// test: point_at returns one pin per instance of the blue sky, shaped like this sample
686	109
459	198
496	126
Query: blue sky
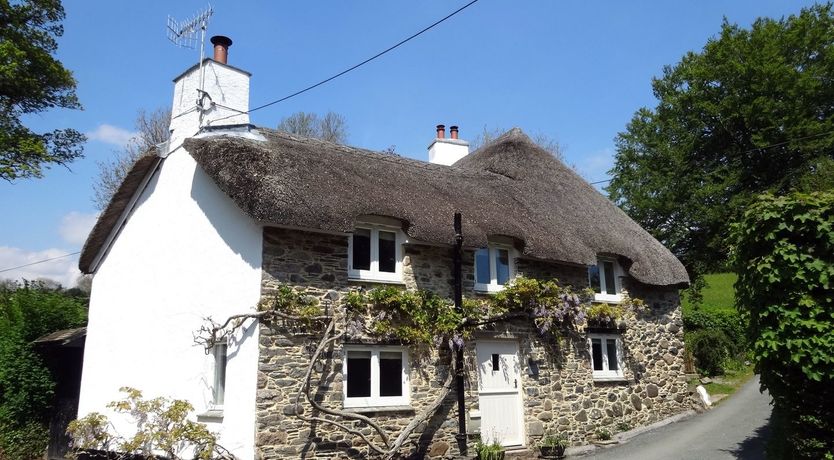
574	71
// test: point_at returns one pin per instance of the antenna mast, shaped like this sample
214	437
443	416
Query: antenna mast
184	35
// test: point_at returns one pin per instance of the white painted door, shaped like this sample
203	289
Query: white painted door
499	393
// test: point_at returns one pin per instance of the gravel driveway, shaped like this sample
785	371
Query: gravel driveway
736	429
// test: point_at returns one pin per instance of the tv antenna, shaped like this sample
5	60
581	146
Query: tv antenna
184	34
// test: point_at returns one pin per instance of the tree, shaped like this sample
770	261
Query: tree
544	141
31	81
332	127
749	113
784	257
152	129
27	312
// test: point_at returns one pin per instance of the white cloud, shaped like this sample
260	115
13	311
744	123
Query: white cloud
75	227
110	134
62	269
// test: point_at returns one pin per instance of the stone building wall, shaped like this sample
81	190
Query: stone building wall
561	397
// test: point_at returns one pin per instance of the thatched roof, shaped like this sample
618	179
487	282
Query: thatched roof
510	187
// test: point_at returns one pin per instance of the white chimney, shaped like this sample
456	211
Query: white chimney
445	151
223	100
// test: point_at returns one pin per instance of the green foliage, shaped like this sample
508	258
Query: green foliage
26	387
784	258
412	317
623	426
491	451
161	424
749	113
554	440
291	302
711	348
31	81
731	324
602	434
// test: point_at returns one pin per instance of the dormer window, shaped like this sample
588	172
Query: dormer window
494	267
604	278
375	253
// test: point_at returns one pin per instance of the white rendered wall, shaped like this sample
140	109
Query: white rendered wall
185	253
447	151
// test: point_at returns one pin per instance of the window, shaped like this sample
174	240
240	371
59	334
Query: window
219	389
375	376
606	356
375	254
494	267
605	280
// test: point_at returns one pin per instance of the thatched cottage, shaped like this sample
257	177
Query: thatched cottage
215	222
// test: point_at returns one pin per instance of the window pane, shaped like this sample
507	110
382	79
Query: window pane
502	265
596	353
220	359
362	249
593	276
612	355
482	266
496	362
358	374
387	252
390	373
608	268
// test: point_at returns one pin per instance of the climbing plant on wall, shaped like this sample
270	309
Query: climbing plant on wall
419	319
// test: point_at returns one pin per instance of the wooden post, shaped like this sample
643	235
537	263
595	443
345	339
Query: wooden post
461	436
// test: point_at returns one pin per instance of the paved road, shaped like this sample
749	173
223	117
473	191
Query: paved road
736	429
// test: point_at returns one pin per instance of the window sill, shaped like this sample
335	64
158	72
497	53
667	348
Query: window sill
214	414
356	279
605	298
488	288
618	378
380	409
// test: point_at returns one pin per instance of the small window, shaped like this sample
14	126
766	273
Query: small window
606	356
604	278
375	254
493	268
219	389
376	376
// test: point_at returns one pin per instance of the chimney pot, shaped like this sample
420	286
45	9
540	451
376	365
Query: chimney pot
453	130
221	48
441	131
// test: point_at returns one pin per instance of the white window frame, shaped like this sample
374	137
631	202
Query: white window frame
375	400
493	285
373	274
605	373
618	288
218	351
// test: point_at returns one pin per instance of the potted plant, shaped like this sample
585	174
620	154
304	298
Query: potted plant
553	446
491	451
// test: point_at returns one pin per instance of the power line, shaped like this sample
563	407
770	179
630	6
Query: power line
39	262
391	48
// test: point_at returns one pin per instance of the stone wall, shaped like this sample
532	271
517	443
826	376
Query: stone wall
560	398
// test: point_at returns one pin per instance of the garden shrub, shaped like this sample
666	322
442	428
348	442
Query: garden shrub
711	349
730	323
784	257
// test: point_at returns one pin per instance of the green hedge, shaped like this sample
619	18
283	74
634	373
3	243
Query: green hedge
784	256
730	323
